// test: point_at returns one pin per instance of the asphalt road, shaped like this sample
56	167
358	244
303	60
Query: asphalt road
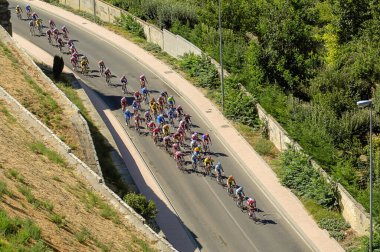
204	206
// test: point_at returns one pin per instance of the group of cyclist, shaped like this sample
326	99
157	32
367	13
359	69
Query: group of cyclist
160	116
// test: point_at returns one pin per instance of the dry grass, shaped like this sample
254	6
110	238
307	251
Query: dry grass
20	79
70	215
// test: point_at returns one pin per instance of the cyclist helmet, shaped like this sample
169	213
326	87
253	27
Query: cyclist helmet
199	146
179	107
142	76
246	198
63	27
218	163
18	6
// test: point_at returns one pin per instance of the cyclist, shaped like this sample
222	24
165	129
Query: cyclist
154	108
156	134
251	203
108	75
31	28
230	183
55	34
28	11
84	64
124	83
74	62
166	129
143	81
193	144
160	120
60	43
161	103
179	111
34	16
39	25
206	141
147	117
219	170
178	156
187	118
171	101
194	136
48	34
52	24
194	160
208	161
18	11
102	67
137	121
171	115
151	126
127	116
177	137
136	106
167	142
137	96
145	93
123	103
240	193
175	147
65	32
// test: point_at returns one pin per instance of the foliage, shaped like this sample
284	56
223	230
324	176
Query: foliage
146	208
305	181
20	235
201	68
40	149
336	227
58	65
128	23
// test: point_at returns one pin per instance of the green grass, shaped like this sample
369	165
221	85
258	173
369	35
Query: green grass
11	173
58	219
11	119
92	200
30	198
20	235
56	178
40	149
83	235
4	190
143	244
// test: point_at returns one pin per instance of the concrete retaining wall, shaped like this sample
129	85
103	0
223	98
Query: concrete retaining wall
77	119
38	129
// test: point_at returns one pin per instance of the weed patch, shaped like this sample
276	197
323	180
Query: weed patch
40	149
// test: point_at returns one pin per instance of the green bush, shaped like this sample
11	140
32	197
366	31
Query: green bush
146	208
335	227
129	24
298	174
201	68
58	65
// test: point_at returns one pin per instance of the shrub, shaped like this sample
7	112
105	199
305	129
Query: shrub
58	65
201	68
129	24
335	227
299	175
146	208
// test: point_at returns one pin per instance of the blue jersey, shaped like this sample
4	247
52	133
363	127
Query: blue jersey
160	119
135	105
28	9
127	114
144	91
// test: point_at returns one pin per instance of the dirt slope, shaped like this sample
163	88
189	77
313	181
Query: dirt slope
39	185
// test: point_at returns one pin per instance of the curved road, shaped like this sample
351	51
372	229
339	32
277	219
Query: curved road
204	207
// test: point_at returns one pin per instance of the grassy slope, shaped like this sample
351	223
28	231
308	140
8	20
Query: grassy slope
37	184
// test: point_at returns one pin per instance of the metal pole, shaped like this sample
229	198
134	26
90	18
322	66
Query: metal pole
370	178
221	55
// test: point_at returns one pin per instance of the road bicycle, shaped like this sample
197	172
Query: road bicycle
251	213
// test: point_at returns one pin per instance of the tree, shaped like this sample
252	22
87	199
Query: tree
146	208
